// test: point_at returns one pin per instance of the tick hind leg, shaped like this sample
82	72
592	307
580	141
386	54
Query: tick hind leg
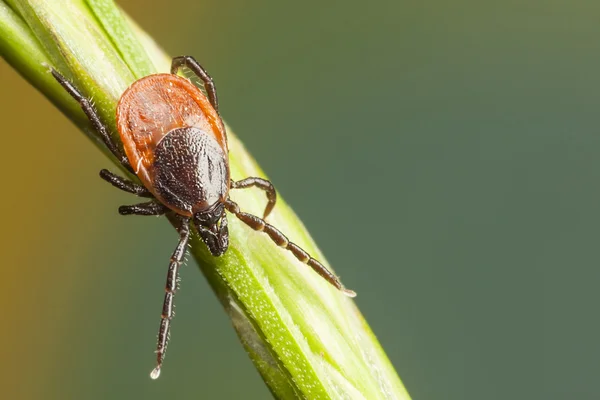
92	115
281	240
197	69
170	289
263	184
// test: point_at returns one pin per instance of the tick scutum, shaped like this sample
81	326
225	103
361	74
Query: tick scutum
191	173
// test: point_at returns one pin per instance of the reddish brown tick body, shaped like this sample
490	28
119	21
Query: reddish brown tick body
175	143
163	114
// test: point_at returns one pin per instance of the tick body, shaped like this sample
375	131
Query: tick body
175	142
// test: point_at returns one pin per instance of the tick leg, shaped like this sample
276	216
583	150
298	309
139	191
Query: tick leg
92	114
260	183
149	208
124	184
197	69
282	241
170	289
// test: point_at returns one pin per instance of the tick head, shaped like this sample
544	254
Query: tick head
212	227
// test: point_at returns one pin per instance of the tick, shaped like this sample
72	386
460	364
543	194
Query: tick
174	141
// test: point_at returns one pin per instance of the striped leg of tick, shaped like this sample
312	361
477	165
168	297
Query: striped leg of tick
124	184
281	240
260	183
148	208
199	70
92	115
170	289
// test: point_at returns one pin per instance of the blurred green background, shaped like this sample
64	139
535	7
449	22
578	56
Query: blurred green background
445	156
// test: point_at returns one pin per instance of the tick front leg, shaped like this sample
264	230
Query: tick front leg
262	184
282	241
149	208
170	289
124	184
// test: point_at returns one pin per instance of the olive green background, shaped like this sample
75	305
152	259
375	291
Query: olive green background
445	156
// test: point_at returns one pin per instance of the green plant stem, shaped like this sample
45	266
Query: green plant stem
305	338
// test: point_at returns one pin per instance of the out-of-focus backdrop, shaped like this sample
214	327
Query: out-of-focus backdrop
445	156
